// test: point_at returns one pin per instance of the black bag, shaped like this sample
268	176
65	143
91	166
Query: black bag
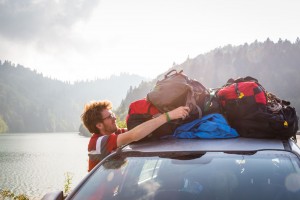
256	113
282	124
175	90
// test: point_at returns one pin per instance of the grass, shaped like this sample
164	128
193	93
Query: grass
7	194
68	183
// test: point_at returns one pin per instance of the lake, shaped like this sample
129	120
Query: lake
34	164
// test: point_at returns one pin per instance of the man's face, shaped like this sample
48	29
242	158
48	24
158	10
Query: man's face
108	122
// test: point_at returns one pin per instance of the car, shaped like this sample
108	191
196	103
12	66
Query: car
208	169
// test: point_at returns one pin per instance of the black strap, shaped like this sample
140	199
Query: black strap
148	112
192	101
237	91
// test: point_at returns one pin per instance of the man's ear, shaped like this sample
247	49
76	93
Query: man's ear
99	125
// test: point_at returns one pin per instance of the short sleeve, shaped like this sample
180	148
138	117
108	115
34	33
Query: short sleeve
111	143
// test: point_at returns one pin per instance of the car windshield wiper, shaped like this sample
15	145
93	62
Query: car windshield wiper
171	155
241	152
183	156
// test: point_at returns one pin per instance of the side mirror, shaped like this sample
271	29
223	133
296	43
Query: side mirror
57	195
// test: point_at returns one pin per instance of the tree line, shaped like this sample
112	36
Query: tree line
276	65
31	102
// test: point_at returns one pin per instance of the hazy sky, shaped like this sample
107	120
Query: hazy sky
85	39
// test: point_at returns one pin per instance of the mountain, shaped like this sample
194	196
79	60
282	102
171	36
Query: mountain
30	102
275	65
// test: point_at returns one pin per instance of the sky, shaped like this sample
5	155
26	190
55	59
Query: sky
74	40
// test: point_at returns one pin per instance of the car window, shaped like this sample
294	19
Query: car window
213	175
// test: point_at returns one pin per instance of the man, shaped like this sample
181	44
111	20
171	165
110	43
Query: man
101	122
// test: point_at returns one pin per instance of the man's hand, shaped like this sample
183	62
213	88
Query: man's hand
180	112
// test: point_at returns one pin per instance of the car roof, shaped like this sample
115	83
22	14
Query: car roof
172	144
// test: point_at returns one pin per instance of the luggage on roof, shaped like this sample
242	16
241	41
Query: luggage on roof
255	112
176	89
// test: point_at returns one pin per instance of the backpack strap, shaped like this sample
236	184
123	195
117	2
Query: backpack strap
172	71
237	91
149	107
191	102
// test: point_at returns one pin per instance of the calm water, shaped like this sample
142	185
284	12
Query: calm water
34	164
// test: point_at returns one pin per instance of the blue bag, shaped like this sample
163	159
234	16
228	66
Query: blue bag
208	127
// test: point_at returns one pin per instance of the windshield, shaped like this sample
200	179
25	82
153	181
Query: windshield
213	175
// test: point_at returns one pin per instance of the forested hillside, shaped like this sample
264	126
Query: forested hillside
30	102
275	65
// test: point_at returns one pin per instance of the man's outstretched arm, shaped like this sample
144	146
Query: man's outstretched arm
147	127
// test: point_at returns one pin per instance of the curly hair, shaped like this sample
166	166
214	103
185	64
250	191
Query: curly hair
92	114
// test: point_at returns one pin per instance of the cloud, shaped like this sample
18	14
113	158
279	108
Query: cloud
32	20
84	39
48	35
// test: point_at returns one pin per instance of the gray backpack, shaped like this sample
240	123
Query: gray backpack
175	90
